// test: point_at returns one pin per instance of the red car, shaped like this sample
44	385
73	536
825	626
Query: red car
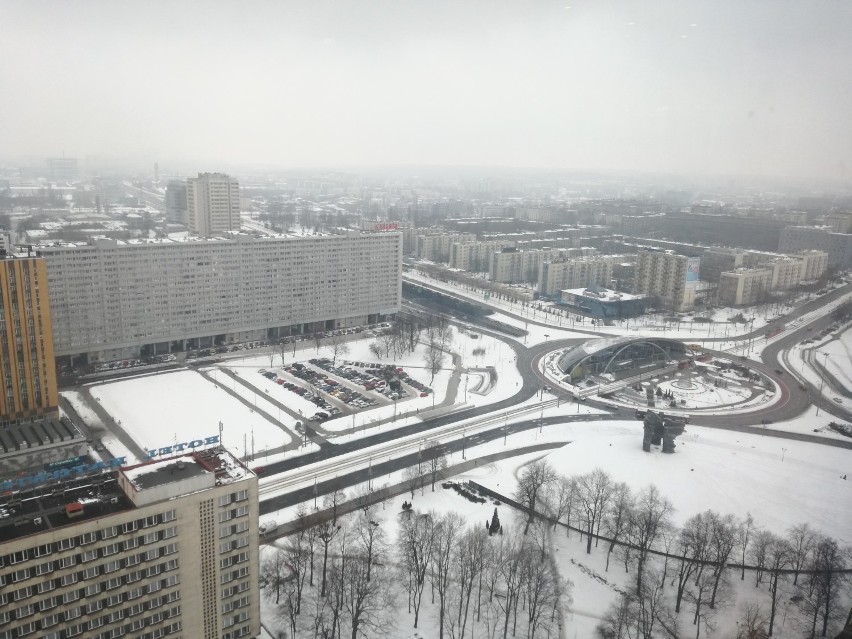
259	470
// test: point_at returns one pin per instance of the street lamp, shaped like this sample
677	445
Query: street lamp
783	452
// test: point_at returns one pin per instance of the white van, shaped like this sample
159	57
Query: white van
267	527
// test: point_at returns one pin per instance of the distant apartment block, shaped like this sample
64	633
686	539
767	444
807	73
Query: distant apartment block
435	247
475	256
114	300
62	170
838	246
26	340
213	204
576	272
669	277
511	266
165	548
176	206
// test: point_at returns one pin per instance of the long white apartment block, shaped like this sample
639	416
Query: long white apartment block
109	298
163	549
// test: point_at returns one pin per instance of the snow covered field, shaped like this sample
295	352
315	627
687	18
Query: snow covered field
158	410
725	471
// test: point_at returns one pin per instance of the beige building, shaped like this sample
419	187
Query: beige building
744	286
165	548
577	272
814	264
669	277
26	340
475	256
511	266
213	204
435	247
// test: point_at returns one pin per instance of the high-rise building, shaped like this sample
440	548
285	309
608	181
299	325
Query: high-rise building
213	204
669	277
164	548
62	169
26	340
176	211
115	300
576	272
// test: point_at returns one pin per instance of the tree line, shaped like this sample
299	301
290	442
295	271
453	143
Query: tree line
695	563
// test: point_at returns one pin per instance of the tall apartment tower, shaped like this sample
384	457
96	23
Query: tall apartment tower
669	277
162	549
62	169
213	204
176	202
26	340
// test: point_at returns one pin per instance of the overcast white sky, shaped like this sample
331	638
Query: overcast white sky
710	86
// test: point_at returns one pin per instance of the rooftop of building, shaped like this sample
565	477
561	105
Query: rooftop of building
36	503
232	236
27	436
602	294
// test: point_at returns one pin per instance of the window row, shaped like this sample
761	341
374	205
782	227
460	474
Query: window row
85	539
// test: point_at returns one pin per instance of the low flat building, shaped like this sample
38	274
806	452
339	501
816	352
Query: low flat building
600	302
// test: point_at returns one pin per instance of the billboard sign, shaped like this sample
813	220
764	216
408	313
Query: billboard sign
58	473
693	266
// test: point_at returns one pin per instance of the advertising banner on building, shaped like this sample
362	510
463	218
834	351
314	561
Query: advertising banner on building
692	268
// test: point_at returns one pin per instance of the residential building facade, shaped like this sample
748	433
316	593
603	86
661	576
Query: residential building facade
165	548
744	286
669	277
576	272
113	299
26	340
435	247
176	212
213	204
475	256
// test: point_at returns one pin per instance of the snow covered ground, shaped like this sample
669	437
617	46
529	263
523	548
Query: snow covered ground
839	353
725	471
158	410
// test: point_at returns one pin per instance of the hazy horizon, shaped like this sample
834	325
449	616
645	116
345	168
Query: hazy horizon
727	88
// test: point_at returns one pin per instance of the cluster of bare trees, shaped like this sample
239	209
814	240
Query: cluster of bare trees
693	564
506	583
407	331
334	579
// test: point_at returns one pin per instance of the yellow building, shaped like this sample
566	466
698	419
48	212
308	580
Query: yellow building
26	340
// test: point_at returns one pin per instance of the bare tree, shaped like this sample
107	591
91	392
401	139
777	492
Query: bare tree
693	547
745	531
270	353
338	346
651	516
376	350
469	557
370	540
436	460
699	597
326	533
801	539
593	495
759	554
534	477
368	597
274	573
754	623
778	558
447	530
415	540
826	581
514	552
332	500
617	515
434	359
297	558
559	497
722	542
415	477
618	620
